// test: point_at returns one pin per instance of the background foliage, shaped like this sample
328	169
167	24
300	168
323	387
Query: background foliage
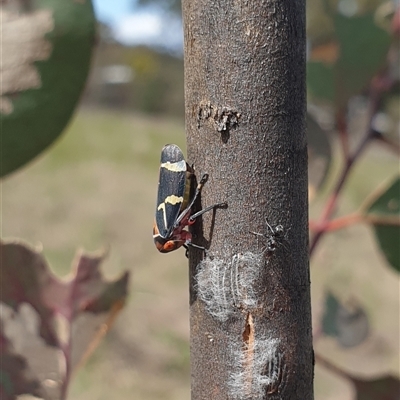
97	186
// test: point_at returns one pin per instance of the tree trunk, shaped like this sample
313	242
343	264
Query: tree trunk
250	310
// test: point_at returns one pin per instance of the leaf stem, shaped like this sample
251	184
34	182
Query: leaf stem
333	368
339	223
332	201
379	85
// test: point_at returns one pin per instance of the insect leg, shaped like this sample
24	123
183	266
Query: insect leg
190	244
201	212
203	180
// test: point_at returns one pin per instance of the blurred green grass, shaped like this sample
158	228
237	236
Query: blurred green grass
115	137
97	187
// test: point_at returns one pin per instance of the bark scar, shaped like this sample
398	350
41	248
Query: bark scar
224	118
248	347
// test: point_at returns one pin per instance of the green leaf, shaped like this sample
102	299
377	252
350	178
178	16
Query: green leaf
319	155
389	241
384	213
348	323
329	318
344	64
46	52
321	81
363	50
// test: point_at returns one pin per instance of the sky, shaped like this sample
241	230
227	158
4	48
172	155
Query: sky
132	25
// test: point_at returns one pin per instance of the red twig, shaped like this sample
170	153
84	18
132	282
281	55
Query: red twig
332	201
333	368
338	223
379	86
390	143
342	129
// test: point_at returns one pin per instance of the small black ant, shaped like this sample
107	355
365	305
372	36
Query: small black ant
275	237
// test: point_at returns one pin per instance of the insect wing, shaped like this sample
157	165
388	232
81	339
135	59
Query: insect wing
171	188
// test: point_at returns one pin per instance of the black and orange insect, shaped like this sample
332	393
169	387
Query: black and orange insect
175	202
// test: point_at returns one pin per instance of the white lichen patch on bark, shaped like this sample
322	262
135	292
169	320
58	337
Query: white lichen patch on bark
258	371
22	43
226	287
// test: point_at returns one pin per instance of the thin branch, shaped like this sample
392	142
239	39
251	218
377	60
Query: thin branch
352	219
332	201
391	144
338	223
343	133
331	367
379	86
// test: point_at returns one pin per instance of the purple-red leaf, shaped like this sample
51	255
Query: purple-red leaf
43	314
16	377
384	388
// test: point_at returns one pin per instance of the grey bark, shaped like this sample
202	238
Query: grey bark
245	122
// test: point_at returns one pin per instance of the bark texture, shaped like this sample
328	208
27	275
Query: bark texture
245	122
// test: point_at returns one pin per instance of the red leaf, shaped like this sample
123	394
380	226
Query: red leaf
44	314
384	388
